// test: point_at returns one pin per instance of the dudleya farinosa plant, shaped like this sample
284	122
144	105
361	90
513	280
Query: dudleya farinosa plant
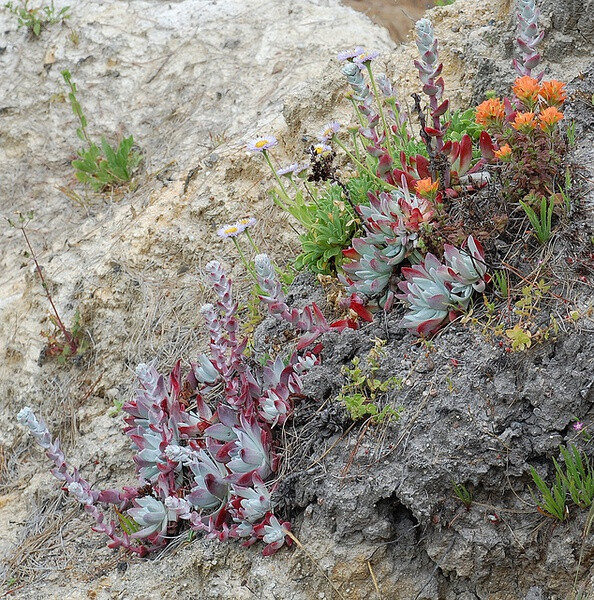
201	465
436	292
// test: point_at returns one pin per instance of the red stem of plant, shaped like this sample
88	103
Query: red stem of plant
71	341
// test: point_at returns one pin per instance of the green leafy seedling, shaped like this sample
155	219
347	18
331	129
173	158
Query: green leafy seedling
578	476
463	494
36	19
100	167
363	389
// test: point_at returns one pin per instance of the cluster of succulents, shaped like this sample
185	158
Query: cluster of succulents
204	450
391	224
436	292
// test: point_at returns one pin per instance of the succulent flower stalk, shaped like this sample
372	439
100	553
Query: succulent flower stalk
529	36
429	73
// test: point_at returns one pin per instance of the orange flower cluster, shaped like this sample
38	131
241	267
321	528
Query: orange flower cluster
524	122
504	153
427	188
548	118
527	89
553	93
490	112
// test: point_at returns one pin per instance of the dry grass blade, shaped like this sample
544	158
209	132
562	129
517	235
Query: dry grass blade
33	556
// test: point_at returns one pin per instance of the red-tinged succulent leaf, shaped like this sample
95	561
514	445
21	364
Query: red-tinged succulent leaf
430	90
307	338
423	167
403	159
510	112
433	132
441	109
410	180
532	61
475	169
465	154
317	349
447	148
384	165
342	324
486	146
357	306
351	253
319	316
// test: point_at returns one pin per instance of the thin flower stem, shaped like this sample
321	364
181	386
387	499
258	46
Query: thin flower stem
383	183
358	112
278	179
67	335
246	263
294	185
355	138
381	110
251	240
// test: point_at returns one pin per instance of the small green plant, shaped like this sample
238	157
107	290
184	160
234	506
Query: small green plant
36	19
463	494
461	122
553	501
541	223
577	480
363	390
520	338
116	409
444	2
578	476
330	224
102	166
323	205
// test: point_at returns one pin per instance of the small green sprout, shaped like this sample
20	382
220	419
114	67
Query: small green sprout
363	390
541	223
463	494
36	19
501	282
578	476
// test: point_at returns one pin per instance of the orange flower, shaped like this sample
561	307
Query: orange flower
552	93
490	112
526	90
427	187
548	118
504	153
524	122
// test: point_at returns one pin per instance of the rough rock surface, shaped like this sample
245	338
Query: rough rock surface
192	81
